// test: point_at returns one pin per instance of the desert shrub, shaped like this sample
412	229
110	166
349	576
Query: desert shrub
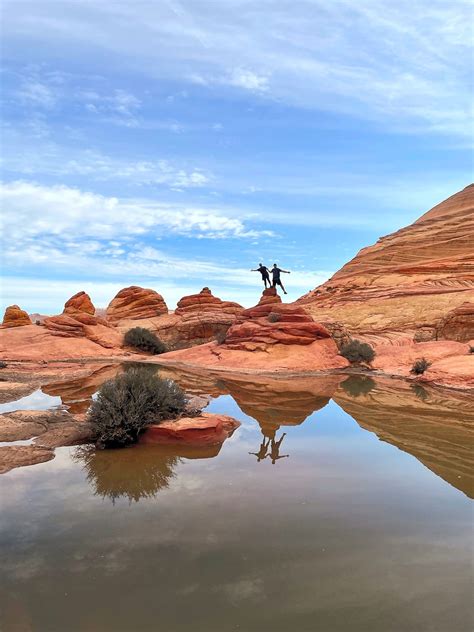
357	351
420	366
471	349
144	340
273	317
131	401
37	322
3	365
420	392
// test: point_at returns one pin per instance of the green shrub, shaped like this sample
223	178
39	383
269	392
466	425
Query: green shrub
128	403
420	366
357	351
274	317
144	340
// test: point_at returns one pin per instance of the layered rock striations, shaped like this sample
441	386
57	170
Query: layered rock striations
15	317
273	323
405	285
135	303
78	321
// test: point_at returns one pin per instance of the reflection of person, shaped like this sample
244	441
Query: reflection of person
264	271
262	453
276	277
275	450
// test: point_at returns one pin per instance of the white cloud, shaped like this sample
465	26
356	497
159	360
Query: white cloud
398	63
32	211
248	80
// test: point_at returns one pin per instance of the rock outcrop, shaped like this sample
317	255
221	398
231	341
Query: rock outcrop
15	317
207	429
270	323
135	303
458	324
78	321
80	302
405	285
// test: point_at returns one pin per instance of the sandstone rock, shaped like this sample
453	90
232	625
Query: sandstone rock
458	324
19	455
78	321
15	317
135	303
408	281
269	295
207	429
273	323
80	302
68	433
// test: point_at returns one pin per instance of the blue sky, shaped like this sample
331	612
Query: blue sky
175	144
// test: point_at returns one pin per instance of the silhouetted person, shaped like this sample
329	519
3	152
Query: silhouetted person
276	277
262	453
275	450
264	271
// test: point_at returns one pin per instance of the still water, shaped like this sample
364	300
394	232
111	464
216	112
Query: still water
340	504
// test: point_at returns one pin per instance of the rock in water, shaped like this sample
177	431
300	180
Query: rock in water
15	317
136	303
407	283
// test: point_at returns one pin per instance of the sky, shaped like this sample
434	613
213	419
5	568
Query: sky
176	144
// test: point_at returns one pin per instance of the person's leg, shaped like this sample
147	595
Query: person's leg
281	285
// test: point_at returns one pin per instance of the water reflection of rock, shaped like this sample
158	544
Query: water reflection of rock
77	393
435	426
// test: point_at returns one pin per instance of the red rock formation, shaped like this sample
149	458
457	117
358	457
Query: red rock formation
78	321
408	282
80	302
198	319
273	323
458	324
269	295
207	429
135	303
15	317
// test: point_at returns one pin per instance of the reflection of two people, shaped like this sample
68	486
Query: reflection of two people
269	442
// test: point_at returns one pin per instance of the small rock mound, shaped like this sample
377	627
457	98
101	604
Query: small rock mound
205	301
15	317
136	303
274	323
80	302
269	295
78	321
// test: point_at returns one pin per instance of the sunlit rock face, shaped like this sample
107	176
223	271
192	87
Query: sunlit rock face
78	321
435	427
409	281
15	317
135	303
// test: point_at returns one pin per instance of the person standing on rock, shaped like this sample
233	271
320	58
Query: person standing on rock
276	277
264	271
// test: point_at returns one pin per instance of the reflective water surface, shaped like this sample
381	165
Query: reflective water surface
341	503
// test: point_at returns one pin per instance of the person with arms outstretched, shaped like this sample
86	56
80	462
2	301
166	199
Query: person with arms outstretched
264	271
276	277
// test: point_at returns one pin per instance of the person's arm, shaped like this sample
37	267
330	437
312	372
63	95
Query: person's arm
254	270
285	271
